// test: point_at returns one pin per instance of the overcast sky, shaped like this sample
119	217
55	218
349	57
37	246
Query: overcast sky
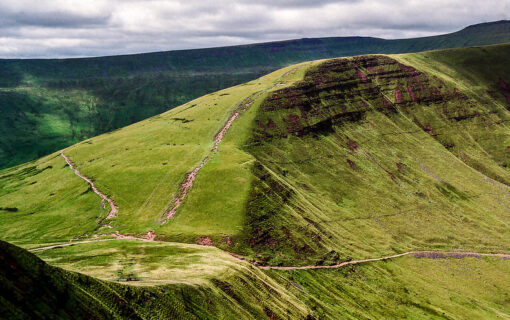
70	28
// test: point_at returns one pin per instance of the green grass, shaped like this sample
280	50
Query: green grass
323	167
227	289
140	167
51	204
407	288
144	263
49	104
405	189
292	198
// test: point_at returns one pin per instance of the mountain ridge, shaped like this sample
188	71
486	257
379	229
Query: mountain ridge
50	104
311	172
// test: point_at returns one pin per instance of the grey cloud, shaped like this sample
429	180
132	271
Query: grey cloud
108	27
56	19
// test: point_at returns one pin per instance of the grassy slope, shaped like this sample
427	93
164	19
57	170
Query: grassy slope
344	172
33	289
50	104
140	167
468	288
407	288
285	192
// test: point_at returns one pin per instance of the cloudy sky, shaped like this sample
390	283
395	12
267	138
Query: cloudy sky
72	28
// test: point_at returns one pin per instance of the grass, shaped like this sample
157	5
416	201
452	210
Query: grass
144	263
338	159
284	197
37	290
407	288
141	170
51	204
49	104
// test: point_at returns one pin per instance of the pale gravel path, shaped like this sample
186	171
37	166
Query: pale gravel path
113	207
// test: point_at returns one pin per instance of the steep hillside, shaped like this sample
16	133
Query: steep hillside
31	289
51	104
318	162
368	187
161	281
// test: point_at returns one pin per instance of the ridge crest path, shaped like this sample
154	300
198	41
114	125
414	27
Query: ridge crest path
427	254
113	207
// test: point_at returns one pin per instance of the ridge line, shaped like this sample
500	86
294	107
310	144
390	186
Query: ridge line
242	106
430	254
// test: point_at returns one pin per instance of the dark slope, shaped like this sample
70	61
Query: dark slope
49	104
32	289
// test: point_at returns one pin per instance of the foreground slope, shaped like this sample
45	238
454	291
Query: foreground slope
419	287
312	165
52	103
31	289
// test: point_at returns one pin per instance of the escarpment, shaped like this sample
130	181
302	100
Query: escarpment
358	144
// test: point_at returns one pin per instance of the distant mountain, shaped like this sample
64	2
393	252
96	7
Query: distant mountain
48	104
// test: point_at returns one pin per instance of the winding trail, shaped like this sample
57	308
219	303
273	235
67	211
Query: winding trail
417	254
191	176
68	244
113	207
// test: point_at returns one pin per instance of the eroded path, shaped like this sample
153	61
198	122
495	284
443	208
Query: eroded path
191	176
104	198
417	254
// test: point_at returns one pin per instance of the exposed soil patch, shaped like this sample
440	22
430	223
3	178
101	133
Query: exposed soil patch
205	241
398	96
228	241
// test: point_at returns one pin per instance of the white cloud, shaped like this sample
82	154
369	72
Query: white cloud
61	28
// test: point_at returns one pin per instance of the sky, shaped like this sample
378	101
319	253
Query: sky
70	28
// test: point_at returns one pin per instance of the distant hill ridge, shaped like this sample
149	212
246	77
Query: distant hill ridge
48	104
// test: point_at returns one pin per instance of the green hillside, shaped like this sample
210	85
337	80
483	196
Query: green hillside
49	104
310	166
31	289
